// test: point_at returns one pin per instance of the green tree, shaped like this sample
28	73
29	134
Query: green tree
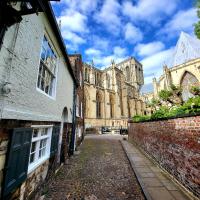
197	25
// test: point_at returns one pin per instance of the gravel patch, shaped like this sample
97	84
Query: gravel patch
101	171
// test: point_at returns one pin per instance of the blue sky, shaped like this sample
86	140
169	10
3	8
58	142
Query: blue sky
102	30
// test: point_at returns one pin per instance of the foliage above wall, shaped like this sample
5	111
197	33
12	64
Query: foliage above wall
191	107
195	90
173	96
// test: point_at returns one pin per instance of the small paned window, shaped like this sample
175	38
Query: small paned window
47	69
40	146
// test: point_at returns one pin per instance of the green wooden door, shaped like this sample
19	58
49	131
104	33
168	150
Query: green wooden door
17	159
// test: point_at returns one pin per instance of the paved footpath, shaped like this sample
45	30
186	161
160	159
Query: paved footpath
101	171
156	185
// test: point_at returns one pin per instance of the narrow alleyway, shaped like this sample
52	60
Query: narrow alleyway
101	171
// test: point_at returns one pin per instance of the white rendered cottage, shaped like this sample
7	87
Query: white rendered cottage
36	102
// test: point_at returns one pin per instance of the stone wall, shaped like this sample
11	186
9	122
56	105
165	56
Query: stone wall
35	179
94	122
3	150
175	145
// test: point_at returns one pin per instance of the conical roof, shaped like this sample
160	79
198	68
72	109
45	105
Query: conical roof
187	48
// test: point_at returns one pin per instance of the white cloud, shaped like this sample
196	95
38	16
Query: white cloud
100	43
182	21
149	10
93	52
73	21
149	48
85	6
109	15
132	33
119	51
88	5
157	60
103	60
73	27
154	63
73	37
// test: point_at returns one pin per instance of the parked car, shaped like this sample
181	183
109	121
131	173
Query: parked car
123	131
105	129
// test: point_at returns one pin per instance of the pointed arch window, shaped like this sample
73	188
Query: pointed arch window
98	105
187	81
86	107
128	77
108	80
111	106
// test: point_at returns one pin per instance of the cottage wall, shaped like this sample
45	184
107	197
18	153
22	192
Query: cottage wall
26	105
20	68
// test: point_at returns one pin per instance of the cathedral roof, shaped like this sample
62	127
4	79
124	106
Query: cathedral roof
187	48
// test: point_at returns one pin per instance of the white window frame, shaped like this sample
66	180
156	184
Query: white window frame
38	161
53	96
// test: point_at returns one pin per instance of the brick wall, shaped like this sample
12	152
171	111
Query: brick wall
175	145
77	66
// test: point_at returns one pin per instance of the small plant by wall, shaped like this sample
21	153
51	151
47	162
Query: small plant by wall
172	96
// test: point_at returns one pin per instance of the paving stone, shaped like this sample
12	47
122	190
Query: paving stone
143	169
153	182
160	194
156	185
169	185
179	195
147	175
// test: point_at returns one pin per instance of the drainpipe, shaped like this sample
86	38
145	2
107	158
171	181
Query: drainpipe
73	135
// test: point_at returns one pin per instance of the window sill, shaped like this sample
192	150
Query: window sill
42	92
33	166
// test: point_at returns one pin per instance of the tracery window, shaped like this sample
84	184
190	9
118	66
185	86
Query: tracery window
128	74
108	80
98	105
188	80
111	106
119	84
86	75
